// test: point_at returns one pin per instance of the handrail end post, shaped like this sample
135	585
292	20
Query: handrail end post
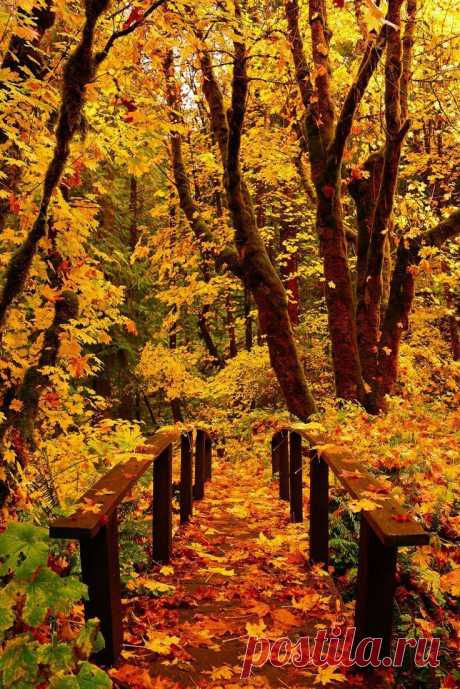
376	588
101	573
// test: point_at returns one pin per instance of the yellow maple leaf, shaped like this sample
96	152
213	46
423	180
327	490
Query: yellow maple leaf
161	643
167	570
256	628
223	672
327	447
222	571
156	586
104	491
375	17
328	674
87	505
363	504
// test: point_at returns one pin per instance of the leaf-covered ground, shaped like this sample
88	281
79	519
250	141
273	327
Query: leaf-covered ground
238	569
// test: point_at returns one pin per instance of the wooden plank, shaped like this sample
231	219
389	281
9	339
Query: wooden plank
104	497
162	507
101	573
319	509
391	523
376	588
186	477
295	476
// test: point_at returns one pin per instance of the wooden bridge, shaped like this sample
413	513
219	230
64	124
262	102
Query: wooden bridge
382	530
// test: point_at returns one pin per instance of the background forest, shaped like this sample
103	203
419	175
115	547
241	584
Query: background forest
238	213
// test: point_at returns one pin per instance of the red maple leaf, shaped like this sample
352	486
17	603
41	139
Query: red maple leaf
135	15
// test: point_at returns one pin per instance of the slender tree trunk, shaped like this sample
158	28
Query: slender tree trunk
289	269
400	303
232	348
20	419
368	312
247	320
133	209
207	338
22	57
176	406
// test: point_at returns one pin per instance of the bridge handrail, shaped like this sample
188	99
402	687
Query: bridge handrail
95	522
382	530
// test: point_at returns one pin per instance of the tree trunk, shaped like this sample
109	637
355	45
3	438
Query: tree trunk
19	421
78	73
326	144
400	303
207	338
258	273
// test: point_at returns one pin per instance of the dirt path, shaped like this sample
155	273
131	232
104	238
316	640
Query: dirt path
238	569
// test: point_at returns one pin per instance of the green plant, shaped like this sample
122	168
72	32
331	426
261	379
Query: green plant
34	652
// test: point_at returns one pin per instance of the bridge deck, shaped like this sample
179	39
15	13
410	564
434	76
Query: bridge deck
238	568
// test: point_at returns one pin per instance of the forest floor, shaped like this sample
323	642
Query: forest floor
238	570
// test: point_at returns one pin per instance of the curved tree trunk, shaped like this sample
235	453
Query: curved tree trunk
78	72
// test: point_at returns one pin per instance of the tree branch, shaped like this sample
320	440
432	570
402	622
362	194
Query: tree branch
102	54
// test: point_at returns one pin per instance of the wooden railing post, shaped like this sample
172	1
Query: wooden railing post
284	465
276	440
198	488
101	573
376	588
186	477
208	456
295	476
162	506
319	509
